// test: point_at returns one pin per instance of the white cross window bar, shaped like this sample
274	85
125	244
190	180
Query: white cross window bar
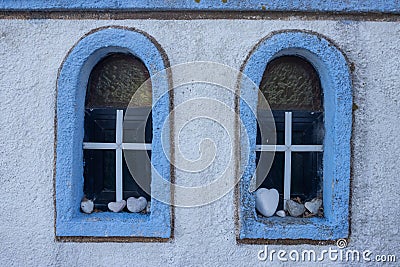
118	146
288	148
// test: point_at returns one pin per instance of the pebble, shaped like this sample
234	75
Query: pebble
87	205
117	206
281	213
313	205
136	204
295	209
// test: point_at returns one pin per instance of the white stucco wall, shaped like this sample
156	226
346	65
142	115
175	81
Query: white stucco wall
31	53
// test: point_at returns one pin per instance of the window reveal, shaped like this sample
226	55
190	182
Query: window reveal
112	83
292	88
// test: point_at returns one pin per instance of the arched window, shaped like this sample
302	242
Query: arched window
306	80
112	84
292	88
103	136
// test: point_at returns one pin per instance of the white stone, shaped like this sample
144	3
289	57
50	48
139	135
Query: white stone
136	204
267	201
281	213
313	205
295	209
117	206
87	205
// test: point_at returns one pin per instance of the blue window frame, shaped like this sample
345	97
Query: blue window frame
335	79
71	91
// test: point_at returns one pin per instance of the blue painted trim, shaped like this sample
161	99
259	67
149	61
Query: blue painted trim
345	6
72	83
336	83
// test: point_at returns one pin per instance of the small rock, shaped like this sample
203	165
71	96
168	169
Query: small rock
117	206
87	205
267	201
136	204
295	209
281	213
313	205
148	207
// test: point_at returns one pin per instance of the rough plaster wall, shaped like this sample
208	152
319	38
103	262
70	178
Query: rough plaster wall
30	55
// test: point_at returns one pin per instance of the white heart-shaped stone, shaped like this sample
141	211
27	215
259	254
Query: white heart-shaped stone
136	204
267	201
117	206
87	205
313	205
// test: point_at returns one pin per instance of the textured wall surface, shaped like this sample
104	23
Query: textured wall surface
390	6
33	50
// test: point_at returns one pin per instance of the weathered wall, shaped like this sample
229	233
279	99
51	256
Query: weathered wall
30	55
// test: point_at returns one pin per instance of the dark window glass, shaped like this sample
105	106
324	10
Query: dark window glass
291	83
112	83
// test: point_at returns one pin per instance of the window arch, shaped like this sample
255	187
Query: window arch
115	79
72	83
333	71
291	82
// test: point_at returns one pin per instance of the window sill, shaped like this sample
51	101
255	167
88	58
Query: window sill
273	228
109	224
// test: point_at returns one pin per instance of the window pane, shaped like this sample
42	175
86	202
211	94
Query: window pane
99	173
112	83
306	175
138	125
139	167
115	79
307	128
100	125
274	177
291	83
138	129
